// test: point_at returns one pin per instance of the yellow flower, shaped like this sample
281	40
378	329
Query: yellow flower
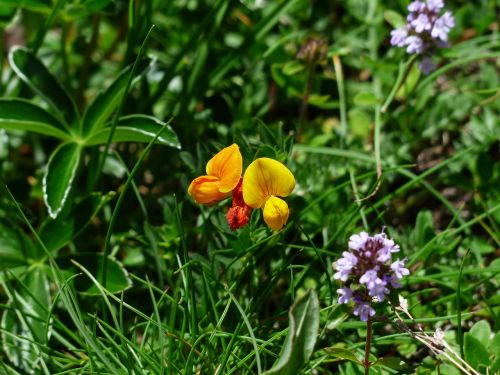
223	174
264	181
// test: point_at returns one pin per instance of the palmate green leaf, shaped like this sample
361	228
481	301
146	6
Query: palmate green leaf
59	232
117	277
59	176
108	100
301	338
32	71
137	128
18	114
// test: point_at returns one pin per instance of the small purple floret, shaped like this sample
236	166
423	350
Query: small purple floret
398	37
345	295
425	31
367	272
398	267
364	311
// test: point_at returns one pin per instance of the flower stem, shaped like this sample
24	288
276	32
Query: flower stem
368	345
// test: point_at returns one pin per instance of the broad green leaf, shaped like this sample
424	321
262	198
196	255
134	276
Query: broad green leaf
366	98
32	71
59	176
476	353
107	101
302	335
15	248
137	128
495	345
57	233
482	332
18	114
117	279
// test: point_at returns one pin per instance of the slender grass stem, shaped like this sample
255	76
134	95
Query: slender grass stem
120	108
119	203
368	345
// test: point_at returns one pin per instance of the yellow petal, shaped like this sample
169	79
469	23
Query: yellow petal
227	165
275	213
205	190
264	178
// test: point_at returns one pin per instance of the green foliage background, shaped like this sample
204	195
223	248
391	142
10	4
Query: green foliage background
105	120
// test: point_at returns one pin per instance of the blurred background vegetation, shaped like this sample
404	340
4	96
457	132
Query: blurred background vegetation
305	82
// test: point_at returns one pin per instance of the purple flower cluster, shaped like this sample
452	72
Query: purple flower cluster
425	31
368	272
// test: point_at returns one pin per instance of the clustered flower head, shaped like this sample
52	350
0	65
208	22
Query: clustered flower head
368	272
262	185
426	29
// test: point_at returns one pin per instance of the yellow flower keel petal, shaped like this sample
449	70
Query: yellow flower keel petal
205	190
275	213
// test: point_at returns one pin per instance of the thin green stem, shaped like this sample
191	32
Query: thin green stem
460	335
404	70
119	203
40	36
120	108
337	65
368	345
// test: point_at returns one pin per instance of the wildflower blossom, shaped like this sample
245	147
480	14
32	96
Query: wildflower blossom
223	174
425	31
368	272
264	181
239	213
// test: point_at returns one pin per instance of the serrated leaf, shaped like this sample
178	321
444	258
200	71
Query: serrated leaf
108	100
302	335
18	114
57	233
33	72
137	128
117	279
59	176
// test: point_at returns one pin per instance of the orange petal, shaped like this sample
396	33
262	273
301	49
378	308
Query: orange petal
205	190
275	213
227	165
264	178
